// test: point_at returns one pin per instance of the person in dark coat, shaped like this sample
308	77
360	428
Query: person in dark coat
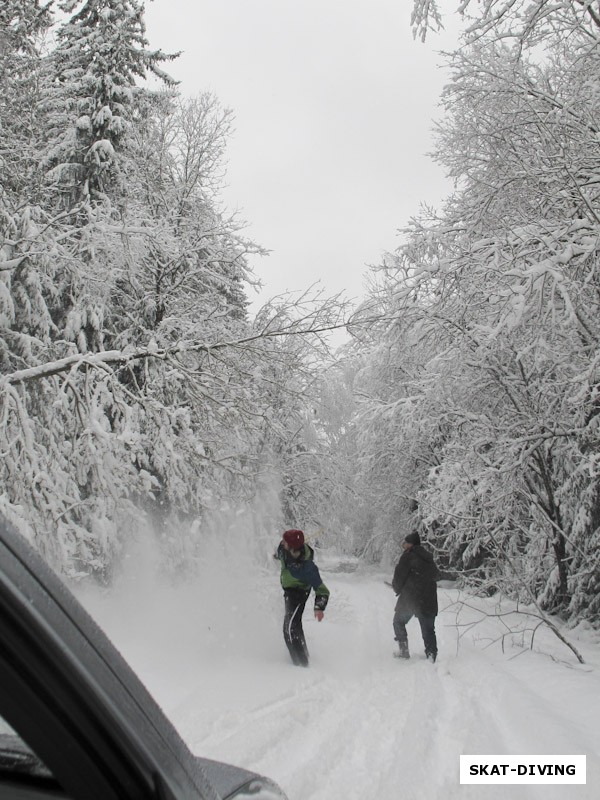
414	582
299	574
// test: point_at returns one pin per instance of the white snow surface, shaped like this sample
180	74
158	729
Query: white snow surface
357	724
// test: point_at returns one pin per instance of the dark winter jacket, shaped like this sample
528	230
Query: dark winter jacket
414	582
301	572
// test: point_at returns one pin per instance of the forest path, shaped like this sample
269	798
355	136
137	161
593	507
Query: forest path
359	724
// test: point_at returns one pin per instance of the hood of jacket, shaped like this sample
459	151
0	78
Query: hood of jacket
421	553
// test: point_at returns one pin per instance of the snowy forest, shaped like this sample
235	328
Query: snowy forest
138	391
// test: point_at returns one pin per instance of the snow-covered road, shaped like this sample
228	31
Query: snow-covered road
358	724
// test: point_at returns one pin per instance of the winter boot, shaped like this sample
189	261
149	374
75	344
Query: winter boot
403	650
431	655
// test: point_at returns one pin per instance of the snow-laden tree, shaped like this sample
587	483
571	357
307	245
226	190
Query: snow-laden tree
340	504
178	416
528	170
528	22
88	453
24	319
187	261
292	442
92	95
133	383
100	56
22	26
497	298
179	278
54	472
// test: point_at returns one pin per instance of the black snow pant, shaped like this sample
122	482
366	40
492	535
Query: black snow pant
427	623
295	600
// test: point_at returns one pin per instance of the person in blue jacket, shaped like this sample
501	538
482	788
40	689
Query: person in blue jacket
299	574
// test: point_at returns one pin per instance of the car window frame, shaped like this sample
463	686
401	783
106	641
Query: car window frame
82	673
43	703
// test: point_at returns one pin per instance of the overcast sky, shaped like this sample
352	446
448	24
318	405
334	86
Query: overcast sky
334	104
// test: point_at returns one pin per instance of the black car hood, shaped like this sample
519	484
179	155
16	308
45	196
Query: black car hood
228	780
16	757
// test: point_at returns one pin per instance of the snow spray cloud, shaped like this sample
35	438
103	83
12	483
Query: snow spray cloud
205	588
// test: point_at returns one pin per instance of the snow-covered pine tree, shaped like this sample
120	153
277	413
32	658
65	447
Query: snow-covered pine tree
70	440
91	98
101	55
24	318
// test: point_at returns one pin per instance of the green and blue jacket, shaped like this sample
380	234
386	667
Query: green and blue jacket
302	573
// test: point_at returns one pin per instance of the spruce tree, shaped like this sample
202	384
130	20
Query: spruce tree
101	53
24	318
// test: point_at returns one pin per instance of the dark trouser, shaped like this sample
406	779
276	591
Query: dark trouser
295	600
427	623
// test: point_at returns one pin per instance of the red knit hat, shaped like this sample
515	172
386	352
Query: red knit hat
294	539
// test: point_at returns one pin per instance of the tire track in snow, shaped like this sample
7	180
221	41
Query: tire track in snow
548	723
